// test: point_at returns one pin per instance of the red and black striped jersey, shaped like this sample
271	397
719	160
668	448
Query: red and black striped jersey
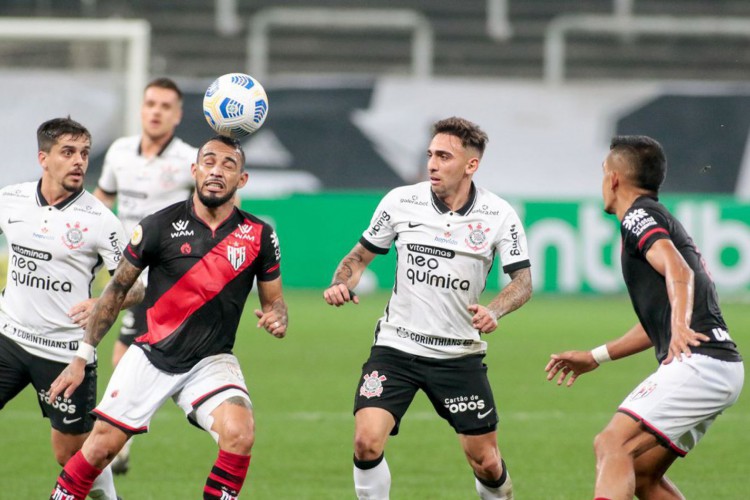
645	222
199	280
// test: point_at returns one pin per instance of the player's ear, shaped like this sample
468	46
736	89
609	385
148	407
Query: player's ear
243	180
42	158
473	165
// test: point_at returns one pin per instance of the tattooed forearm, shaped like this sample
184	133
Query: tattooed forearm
110	302
514	295
279	308
135	294
351	267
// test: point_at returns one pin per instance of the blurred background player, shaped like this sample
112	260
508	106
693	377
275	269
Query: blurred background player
143	174
58	237
700	373
430	336
198	286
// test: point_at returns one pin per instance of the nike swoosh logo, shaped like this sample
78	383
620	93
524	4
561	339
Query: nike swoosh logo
411	224
66	421
12	221
482	415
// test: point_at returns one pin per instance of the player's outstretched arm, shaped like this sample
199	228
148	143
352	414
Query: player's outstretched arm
514	295
575	363
102	317
347	275
679	278
274	316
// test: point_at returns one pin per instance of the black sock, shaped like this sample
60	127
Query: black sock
368	464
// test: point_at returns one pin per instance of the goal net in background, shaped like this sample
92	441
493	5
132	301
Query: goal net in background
91	69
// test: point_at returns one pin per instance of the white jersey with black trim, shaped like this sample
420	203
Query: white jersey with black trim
146	185
443	259
54	253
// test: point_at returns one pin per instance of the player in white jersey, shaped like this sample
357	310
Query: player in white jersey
143	174
58	237
447	232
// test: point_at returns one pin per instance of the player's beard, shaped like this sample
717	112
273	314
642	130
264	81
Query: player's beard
213	201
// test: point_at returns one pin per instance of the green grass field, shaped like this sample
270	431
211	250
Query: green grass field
303	388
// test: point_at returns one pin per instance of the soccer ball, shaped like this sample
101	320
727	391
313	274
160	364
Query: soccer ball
235	105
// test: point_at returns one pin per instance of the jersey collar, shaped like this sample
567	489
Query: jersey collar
441	207
42	202
164	148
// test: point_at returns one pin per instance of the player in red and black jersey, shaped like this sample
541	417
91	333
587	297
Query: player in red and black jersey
701	371
203	256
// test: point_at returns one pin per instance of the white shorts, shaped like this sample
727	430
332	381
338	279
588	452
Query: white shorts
680	401
137	389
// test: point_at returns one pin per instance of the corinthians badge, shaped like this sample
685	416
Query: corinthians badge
73	237
373	385
477	239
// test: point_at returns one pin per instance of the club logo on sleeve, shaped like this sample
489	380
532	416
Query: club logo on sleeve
477	239
236	255
73	237
137	235
373	385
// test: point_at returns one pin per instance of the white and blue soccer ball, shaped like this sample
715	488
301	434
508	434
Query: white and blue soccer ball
235	105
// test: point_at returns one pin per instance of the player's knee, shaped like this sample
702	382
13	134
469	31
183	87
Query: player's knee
238	437
63	455
367	446
485	463
603	443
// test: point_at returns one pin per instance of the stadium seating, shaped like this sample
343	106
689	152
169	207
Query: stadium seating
185	41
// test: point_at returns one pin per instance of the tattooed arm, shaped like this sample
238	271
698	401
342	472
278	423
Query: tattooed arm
102	317
273	316
347	275
514	295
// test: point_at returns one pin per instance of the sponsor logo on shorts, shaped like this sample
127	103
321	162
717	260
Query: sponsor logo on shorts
61	404
68	421
373	385
463	404
642	391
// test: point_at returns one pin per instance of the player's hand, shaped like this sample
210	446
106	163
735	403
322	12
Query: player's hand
81	312
273	324
682	338
69	379
573	363
484	319
338	294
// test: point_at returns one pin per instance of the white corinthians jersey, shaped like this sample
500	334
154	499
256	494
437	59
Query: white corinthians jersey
54	253
443	258
146	185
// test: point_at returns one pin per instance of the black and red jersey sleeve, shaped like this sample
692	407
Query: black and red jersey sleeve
641	228
270	255
144	242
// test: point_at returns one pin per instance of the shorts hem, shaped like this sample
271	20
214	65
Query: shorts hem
660	436
130	431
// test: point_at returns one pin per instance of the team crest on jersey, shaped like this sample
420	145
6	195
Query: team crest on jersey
236	256
73	237
185	249
137	235
477	239
644	390
373	385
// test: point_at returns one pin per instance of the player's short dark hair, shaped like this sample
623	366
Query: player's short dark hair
646	157
229	141
50	132
165	83
469	133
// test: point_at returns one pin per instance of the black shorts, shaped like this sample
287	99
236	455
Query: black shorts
458	388
133	324
18	369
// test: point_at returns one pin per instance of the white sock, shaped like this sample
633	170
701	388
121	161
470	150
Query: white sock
503	491
125	451
372	482
104	486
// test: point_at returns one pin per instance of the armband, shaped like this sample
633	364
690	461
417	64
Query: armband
86	351
601	354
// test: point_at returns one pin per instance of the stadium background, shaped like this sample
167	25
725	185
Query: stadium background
350	111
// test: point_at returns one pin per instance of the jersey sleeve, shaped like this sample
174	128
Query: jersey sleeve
641	228
511	244
378	237
270	255
144	243
108	181
111	242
